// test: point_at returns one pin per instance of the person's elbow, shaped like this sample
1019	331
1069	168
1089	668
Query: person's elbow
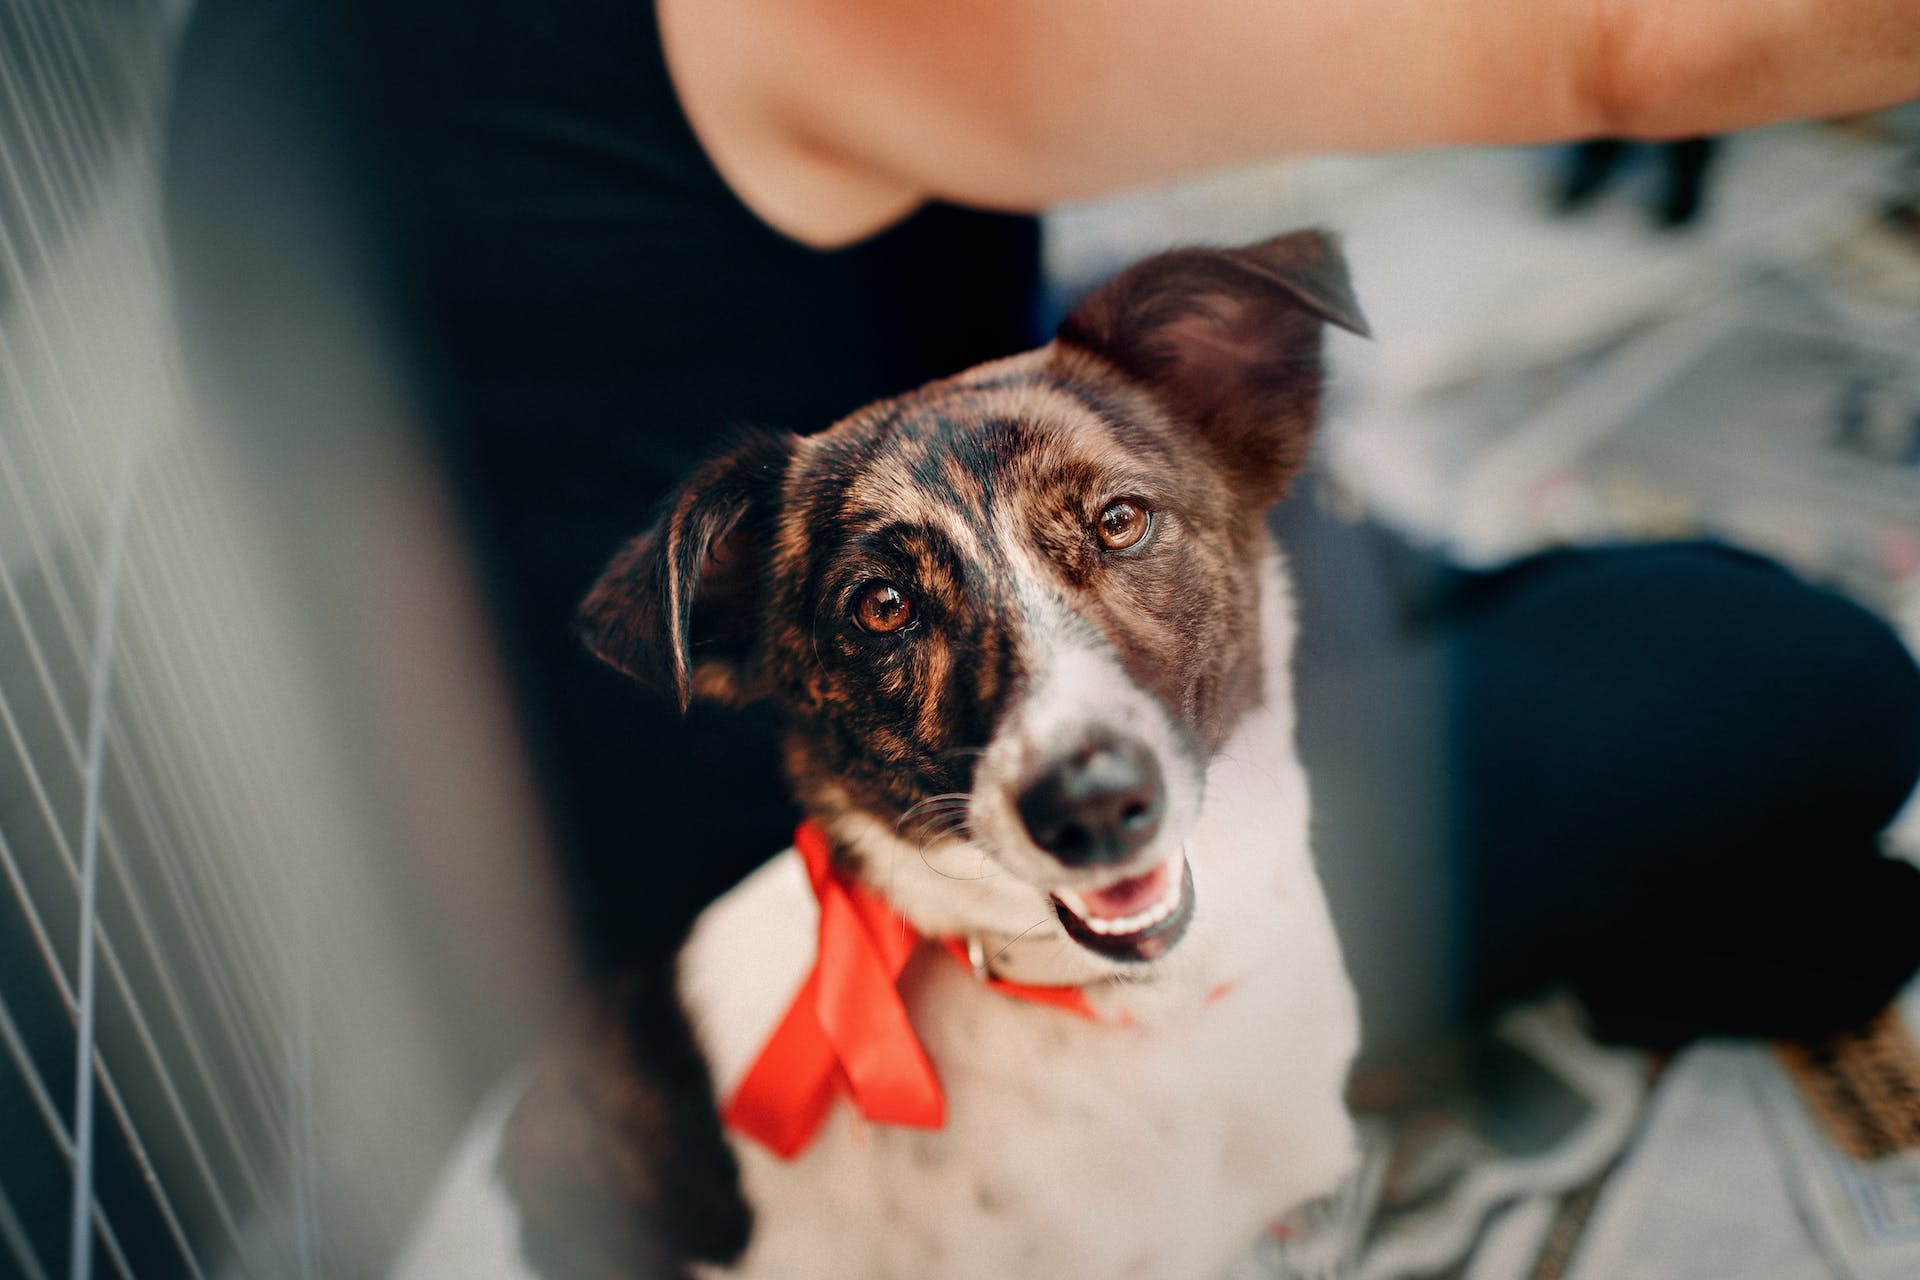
1656	70
1636	66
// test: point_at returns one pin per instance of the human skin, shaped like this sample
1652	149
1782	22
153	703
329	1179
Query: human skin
833	119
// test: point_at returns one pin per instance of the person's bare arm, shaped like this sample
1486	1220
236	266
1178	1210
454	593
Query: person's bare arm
834	117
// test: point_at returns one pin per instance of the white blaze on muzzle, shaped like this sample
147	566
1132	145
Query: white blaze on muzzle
1087	779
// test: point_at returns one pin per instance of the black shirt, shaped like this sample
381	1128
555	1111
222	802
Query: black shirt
588	311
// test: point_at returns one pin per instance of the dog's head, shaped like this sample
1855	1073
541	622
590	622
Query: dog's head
1011	616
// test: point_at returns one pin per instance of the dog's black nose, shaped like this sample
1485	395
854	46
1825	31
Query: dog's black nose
1097	804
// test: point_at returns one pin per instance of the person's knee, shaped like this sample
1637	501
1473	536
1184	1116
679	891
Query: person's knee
1698	678
1836	678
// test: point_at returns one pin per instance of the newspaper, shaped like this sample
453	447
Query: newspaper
1781	1163
1764	422
1539	1162
1702	1195
1511	1130
1763	389
1846	1120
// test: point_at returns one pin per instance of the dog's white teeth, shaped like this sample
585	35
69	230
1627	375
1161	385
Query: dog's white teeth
1120	926
1134	923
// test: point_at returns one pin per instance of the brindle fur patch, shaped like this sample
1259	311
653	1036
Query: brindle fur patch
976	496
1188	385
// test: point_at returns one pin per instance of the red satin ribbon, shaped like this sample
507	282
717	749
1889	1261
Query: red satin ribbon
847	1031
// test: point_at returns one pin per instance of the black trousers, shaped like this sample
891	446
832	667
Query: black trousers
1657	774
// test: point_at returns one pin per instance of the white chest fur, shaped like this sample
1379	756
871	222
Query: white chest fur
1156	1148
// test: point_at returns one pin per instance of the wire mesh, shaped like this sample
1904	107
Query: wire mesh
155	1097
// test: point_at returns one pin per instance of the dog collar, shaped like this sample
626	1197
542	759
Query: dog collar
847	1031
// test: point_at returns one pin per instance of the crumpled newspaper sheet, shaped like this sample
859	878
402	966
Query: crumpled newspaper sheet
1534	1112
1548	1158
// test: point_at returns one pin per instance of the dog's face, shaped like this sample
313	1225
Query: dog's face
1011	616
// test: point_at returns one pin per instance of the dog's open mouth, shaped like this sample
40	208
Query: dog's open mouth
1138	918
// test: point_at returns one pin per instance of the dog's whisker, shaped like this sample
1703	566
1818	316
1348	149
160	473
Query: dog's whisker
813	637
935	831
953	752
950	835
934	804
948	875
930	806
1042	922
936	819
939	833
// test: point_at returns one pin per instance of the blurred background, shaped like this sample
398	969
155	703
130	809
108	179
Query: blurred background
275	908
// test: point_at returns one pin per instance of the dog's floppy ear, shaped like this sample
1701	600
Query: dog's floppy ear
1229	341
675	607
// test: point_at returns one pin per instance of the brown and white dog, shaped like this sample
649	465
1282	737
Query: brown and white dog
1031	643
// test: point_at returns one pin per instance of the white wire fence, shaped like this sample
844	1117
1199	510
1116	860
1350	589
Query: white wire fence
185	927
153	1094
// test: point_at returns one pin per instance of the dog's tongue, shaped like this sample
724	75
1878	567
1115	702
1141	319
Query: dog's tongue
1127	897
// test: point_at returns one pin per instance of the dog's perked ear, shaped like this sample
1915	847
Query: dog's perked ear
675	607
1228	340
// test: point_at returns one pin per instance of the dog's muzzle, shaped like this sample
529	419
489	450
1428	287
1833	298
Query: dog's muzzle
1099	805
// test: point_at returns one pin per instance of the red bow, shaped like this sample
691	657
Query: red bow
847	1029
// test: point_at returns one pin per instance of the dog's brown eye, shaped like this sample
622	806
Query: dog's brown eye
1121	525
880	608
